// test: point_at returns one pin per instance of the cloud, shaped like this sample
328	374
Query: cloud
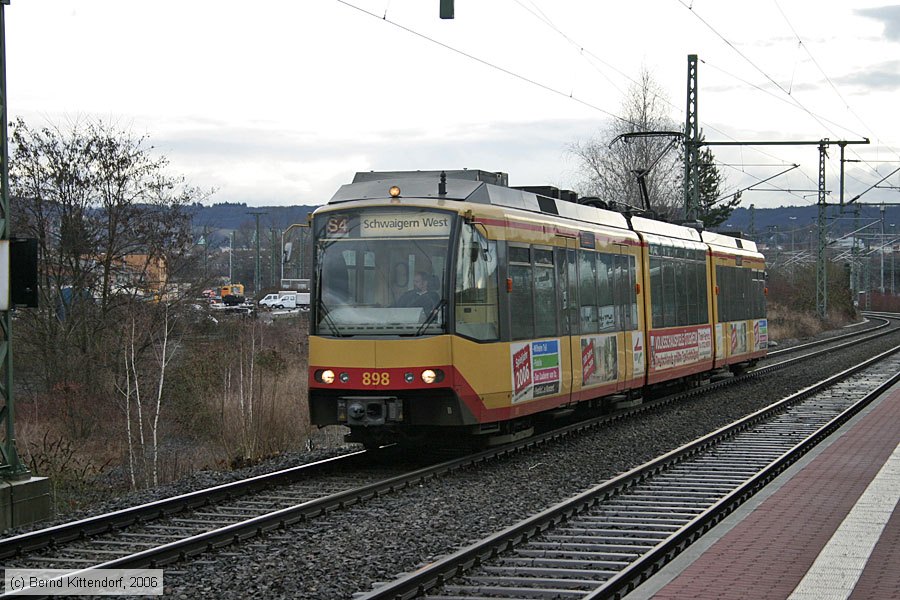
262	166
881	77
889	17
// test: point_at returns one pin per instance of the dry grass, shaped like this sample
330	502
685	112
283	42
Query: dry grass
786	324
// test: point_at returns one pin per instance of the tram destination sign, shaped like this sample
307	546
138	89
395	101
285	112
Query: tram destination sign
405	224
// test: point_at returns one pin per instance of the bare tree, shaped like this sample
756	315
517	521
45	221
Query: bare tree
609	171
95	198
142	415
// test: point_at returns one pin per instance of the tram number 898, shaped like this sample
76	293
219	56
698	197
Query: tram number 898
376	378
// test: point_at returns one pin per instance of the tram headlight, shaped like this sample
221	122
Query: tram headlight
409	377
344	377
432	376
325	376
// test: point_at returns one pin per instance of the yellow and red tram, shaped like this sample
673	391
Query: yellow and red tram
459	305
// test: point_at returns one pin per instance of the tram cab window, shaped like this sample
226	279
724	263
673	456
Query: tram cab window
476	292
365	262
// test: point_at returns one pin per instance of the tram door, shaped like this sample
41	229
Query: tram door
567	292
629	339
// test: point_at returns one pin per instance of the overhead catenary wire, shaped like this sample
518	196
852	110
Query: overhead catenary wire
583	52
487	63
793	98
535	11
833	87
824	74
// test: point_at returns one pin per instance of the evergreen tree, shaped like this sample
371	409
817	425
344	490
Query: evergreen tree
714	209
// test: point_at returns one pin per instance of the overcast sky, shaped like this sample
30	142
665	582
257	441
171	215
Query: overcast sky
278	102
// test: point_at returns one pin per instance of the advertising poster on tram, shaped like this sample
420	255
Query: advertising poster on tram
674	348
535	369
599	359
738	337
760	334
637	353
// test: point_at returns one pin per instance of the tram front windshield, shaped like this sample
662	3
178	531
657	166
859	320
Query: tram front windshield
382	272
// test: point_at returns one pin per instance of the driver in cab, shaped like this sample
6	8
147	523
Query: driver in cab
419	296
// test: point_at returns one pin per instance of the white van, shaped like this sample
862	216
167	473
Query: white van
293	300
270	300
287	300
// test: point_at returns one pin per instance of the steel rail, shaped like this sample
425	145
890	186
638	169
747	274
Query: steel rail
885	323
27	542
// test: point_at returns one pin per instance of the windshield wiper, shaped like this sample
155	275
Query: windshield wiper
431	317
327	319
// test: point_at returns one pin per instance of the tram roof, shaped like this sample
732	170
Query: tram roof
726	241
480	187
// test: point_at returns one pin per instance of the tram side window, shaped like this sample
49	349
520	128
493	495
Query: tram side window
703	301
626	300
684	290
759	293
677	286
633	275
476	287
724	285
545	311
669	299
656	270
741	293
521	300
605	297
744	301
567	290
587	292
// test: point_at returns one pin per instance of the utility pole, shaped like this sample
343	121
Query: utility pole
25	499
692	145
821	267
821	272
752	232
272	257
881	251
205	252
256	284
12	467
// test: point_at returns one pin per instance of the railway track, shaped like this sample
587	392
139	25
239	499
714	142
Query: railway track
607	540
876	322
176	528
